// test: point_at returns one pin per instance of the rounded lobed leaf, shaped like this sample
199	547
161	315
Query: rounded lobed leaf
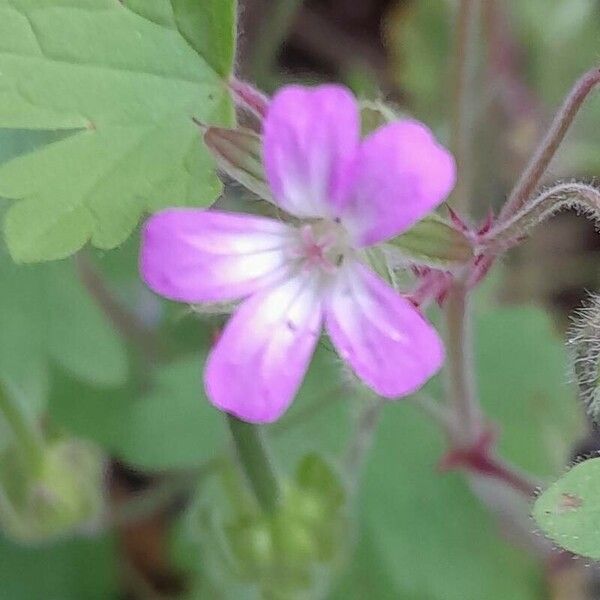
569	510
127	79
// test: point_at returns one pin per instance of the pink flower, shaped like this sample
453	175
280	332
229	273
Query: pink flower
347	194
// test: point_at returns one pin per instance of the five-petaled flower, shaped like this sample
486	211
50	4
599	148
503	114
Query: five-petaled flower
346	194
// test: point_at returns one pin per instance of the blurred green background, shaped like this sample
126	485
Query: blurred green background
412	533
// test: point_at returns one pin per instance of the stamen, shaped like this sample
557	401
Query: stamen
322	245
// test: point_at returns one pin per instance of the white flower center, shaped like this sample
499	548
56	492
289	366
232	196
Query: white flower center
322	245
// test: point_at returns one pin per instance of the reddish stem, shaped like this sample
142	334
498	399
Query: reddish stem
481	459
545	153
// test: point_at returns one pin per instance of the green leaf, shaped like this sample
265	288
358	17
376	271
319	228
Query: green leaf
522	364
209	27
175	425
319	420
47	316
15	142
141	430
70	570
130	78
569	511
171	426
423	525
368	576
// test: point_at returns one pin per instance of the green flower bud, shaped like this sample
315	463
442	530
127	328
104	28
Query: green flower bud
251	543
63	495
285	554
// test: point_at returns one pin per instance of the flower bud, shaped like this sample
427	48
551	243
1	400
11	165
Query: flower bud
239	155
249	98
284	554
64	495
251	543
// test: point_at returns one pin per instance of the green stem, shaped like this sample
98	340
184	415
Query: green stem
255	462
23	428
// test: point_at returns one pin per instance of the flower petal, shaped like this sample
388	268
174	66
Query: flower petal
310	137
259	362
383	337
194	256
400	175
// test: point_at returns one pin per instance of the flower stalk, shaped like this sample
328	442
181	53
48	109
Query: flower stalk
460	383
255	463
538	164
578	196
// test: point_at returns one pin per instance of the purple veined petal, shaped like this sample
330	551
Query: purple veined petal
380	334
195	256
258	364
401	174
310	138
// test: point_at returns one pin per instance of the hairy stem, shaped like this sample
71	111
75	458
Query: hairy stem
584	346
255	463
460	383
460	132
538	164
578	196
